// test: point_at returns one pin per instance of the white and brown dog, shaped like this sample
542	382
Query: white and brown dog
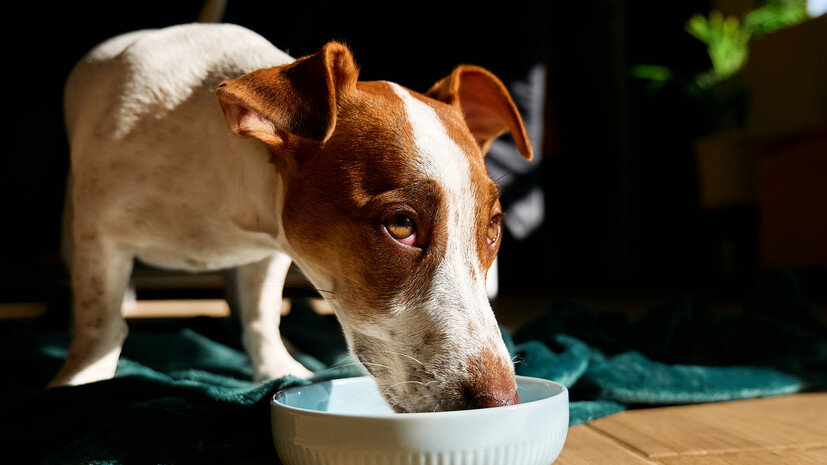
201	147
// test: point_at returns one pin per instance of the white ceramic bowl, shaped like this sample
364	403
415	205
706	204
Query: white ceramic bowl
346	421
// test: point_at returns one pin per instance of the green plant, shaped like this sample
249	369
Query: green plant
727	43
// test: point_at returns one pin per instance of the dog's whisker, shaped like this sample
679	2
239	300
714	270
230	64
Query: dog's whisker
406	382
374	364
348	361
517	360
507	173
408	356
510	173
367	392
345	361
341	364
331	368
394	403
422	397
337	366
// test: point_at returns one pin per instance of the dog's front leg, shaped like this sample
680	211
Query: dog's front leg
100	275
260	287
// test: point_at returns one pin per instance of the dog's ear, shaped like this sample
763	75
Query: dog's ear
297	100
486	105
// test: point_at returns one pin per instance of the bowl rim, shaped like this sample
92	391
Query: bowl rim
393	416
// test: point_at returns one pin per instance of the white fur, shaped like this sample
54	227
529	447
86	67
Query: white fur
156	175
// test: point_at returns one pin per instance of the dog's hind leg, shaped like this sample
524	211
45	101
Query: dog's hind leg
100	275
259	288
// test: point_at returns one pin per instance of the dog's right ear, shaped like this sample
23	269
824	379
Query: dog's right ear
290	103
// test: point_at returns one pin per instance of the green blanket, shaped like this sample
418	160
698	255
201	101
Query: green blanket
182	392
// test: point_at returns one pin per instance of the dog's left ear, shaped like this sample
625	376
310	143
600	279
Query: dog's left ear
291	103
486	105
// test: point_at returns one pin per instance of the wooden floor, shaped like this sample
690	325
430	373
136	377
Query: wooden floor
773	431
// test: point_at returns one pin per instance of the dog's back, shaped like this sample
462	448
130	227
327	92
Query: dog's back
153	163
138	73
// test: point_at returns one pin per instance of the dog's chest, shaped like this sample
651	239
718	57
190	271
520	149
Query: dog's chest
202	230
211	249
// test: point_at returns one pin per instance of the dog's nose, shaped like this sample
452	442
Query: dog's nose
490	382
493	398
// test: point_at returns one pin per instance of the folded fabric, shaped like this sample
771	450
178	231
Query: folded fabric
680	352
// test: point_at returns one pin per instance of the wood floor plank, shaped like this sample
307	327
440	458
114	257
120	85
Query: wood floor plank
585	446
10	311
796	421
184	308
766	457
176	308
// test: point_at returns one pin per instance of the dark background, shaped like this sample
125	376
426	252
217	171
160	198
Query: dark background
618	170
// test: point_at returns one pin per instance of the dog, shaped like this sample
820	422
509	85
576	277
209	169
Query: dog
203	147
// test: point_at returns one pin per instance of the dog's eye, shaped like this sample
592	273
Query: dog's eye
402	228
493	230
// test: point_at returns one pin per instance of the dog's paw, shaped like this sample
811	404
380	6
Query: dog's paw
68	377
284	368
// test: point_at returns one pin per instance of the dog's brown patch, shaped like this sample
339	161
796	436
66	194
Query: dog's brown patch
372	161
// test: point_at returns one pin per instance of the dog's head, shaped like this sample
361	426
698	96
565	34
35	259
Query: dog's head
390	212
